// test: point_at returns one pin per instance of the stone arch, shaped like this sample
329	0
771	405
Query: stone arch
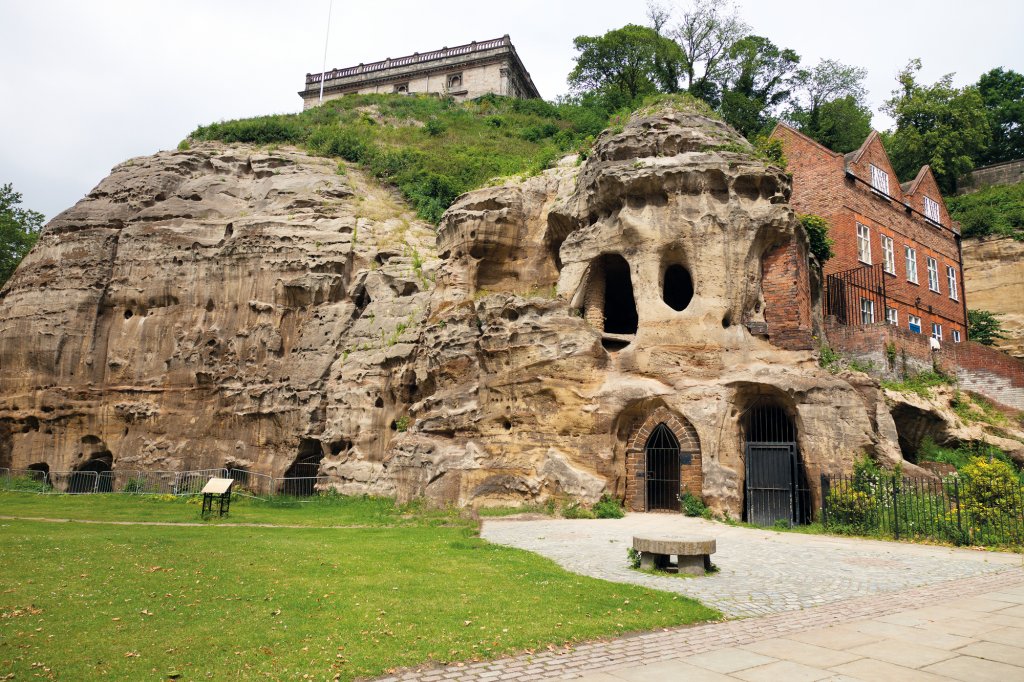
691	476
455	81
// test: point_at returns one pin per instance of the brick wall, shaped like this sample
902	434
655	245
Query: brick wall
978	368
787	297
820	187
691	477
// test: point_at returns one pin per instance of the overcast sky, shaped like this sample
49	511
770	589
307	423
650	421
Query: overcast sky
86	84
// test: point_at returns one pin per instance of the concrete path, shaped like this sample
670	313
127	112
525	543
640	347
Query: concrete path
761	571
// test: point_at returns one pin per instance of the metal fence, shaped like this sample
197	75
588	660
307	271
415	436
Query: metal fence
985	512
857	297
249	483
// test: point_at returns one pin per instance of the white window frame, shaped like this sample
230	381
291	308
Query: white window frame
956	336
936	331
892	316
933	274
879	179
931	210
911	324
864	243
954	290
910	254
889	254
867	312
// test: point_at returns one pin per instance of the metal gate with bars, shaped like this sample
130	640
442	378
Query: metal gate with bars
662	457
776	486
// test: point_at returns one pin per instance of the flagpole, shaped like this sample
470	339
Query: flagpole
323	72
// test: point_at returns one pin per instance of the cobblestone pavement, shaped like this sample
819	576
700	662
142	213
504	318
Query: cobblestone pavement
760	572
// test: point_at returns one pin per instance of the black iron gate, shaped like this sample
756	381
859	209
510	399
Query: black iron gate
772	478
662	470
776	487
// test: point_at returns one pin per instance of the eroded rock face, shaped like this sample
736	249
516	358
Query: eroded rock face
230	306
994	274
193	309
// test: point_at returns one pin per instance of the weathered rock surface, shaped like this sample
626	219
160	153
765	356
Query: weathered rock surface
994	281
229	306
194	308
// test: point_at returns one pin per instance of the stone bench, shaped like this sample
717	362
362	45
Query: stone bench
693	553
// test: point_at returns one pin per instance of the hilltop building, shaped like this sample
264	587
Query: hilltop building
463	72
897	252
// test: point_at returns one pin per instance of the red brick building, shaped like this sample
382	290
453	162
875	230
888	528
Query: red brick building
897	253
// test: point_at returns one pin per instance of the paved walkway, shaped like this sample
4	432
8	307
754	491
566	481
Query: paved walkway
761	571
846	609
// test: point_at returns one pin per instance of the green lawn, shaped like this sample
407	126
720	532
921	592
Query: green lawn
84	601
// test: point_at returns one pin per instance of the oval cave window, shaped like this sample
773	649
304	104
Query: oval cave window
677	287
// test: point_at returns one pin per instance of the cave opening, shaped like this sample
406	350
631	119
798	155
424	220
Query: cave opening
620	315
300	478
94	475
677	287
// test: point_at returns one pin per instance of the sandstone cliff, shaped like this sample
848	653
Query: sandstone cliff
227	306
994	281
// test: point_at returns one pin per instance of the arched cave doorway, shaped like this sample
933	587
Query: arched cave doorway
776	486
662	460
300	478
94	475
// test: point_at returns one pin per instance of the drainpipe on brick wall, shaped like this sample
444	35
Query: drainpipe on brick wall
963	285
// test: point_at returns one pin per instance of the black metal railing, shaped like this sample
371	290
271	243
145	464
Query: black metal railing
984	511
857	296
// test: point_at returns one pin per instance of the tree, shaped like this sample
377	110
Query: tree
984	327
842	125
939	125
1003	95
705	33
19	229
625	64
758	81
828	105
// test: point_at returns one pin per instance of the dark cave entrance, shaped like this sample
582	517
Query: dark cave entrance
94	475
677	287
913	425
620	316
300	478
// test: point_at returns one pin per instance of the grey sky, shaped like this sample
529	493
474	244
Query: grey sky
86	85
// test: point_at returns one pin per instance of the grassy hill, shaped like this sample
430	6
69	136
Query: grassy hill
432	149
993	210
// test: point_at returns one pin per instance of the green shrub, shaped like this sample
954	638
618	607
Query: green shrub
608	508
818	240
692	505
575	510
992	210
633	558
850	509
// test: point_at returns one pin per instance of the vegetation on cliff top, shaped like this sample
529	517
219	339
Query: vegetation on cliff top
19	230
433	149
997	210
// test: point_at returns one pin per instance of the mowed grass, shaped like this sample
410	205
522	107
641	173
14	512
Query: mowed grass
86	601
329	510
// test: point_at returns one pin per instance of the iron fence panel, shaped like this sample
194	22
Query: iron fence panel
961	511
